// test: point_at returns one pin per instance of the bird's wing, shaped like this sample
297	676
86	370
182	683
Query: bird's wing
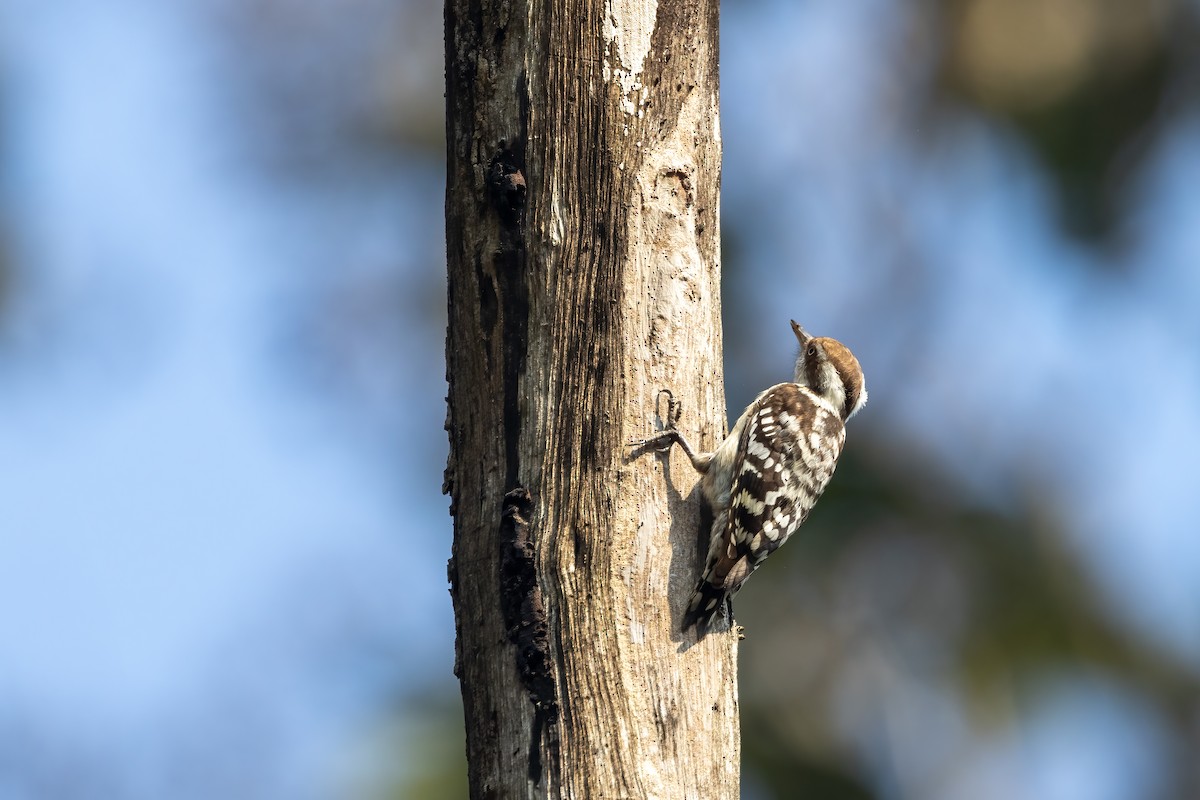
785	458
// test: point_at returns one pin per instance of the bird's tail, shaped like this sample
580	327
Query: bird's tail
704	606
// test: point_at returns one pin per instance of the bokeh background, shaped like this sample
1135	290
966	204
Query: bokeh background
222	540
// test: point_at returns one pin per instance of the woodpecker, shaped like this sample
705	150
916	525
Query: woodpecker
765	477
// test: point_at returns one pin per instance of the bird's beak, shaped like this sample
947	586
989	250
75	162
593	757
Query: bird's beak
800	334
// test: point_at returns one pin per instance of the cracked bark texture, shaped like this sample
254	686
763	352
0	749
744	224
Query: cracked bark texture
584	270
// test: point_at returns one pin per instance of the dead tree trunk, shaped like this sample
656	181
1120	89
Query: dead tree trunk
584	273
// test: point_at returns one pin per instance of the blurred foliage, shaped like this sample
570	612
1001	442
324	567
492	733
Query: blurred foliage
433	740
897	568
1087	83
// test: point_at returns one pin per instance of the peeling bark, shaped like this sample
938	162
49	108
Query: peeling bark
583	260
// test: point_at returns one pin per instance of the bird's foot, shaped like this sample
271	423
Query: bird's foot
662	441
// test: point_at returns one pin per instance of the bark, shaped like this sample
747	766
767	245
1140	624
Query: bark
583	259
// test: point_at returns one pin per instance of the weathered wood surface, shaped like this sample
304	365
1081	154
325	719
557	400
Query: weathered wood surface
584	275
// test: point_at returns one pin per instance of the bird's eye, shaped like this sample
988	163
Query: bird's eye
812	351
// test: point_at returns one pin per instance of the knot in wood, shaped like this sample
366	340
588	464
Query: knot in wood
506	185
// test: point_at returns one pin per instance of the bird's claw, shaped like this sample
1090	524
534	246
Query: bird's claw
662	442
674	408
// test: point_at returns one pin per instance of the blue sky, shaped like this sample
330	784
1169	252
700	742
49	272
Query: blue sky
185	522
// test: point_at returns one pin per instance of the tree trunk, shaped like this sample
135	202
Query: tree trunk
584	270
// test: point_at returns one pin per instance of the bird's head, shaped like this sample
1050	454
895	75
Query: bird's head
829	368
